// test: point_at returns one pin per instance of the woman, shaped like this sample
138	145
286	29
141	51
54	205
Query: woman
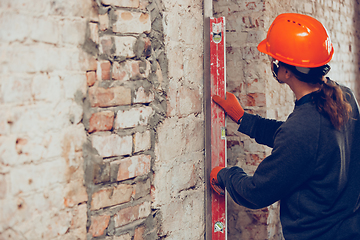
314	166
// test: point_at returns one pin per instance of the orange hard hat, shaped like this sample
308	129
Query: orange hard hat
298	40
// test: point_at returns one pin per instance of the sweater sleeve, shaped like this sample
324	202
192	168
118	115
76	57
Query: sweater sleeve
291	162
261	129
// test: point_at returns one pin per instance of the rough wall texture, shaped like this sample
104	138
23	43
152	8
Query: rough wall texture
178	179
43	82
101	120
249	77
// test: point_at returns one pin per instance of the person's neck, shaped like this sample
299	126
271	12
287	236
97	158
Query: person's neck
301	88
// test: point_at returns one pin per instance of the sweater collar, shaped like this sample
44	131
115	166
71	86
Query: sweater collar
305	99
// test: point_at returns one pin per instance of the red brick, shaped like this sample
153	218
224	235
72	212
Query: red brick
253	99
101	121
105	70
139	232
91	78
133	213
253	21
120	71
110	97
255	6
98	225
133	167
111	196
92	64
130	69
250	53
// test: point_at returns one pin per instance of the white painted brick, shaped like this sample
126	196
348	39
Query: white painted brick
94	32
133	117
75	84
24	149
68	8
132	22
141	96
112	145
308	8
15	88
45	30
28	178
31	119
73	139
76	113
122	3
193	57
4	124
38	6
171	23
104	22
12	26
130	69
44	58
75	193
47	87
73	32
175	57
142	141
124	46
169	132
191	27
43	225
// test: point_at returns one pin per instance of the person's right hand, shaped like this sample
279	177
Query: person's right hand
231	106
214	183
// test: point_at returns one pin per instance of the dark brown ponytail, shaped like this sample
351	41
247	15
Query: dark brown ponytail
330	100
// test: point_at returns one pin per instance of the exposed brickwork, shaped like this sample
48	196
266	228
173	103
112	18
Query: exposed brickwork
121	114
101	121
101	115
98	225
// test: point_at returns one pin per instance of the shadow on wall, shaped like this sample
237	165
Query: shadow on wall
357	45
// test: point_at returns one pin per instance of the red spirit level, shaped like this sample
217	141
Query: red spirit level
218	138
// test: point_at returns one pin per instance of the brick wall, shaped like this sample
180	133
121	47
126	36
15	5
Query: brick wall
43	81
249	77
101	120
118	115
143	114
101	117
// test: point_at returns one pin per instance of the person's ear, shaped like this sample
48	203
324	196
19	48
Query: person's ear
288	73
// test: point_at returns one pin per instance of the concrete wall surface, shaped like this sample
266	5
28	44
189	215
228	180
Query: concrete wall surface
102	120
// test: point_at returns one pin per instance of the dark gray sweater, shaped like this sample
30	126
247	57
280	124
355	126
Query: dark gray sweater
314	170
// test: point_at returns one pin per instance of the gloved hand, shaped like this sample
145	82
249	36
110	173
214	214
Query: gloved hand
231	106
214	181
